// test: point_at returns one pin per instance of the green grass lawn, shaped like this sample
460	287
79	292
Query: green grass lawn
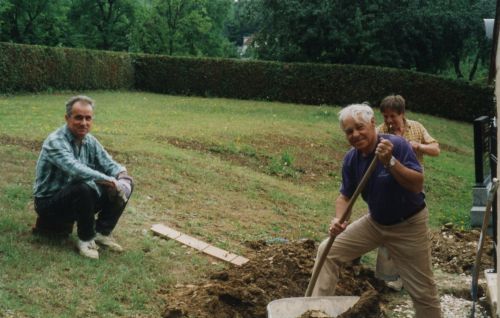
225	171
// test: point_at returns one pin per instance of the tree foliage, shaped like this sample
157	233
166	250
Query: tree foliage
184	27
102	24
243	20
33	21
433	36
177	27
425	35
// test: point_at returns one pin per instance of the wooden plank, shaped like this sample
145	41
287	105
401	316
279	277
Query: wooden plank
204	247
192	242
220	253
165	231
239	260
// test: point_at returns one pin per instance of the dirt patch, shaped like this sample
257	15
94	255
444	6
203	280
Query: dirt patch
274	271
314	314
266	154
240	156
278	271
32	145
454	251
367	306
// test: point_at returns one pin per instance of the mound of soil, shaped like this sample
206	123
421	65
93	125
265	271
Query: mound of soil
273	272
454	251
278	271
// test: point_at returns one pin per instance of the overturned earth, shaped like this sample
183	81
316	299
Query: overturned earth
283	270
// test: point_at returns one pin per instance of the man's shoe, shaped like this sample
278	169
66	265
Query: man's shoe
108	241
396	285
88	249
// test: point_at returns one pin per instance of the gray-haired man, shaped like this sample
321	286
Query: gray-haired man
397	215
77	179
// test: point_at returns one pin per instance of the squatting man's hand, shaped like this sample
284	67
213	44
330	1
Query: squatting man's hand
116	189
384	151
110	185
336	227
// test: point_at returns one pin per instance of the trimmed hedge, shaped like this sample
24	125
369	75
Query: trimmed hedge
37	68
312	84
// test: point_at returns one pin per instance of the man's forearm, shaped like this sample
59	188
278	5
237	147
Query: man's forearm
409	179
430	149
341	204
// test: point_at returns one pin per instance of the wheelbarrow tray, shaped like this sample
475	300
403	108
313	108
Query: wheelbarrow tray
296	306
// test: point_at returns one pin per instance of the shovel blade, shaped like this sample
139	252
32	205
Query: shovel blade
296	306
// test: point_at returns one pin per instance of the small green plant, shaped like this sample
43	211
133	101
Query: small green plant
232	148
248	150
217	149
282	165
287	159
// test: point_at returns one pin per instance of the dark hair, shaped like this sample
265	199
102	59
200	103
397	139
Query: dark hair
78	98
393	102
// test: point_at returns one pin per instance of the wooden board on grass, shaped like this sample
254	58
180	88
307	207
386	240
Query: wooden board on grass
206	248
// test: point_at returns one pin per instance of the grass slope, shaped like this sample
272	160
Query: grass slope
224	171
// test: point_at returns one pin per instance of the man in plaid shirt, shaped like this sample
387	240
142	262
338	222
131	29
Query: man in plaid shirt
395	123
392	108
76	179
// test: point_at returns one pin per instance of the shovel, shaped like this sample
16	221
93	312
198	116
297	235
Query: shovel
330	305
484	228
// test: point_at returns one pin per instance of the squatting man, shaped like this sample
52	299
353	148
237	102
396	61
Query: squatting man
397	214
77	180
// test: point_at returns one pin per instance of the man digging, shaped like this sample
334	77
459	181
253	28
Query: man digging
397	215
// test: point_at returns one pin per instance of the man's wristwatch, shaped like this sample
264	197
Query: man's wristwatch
391	163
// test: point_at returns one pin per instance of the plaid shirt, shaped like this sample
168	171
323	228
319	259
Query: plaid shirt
413	131
62	162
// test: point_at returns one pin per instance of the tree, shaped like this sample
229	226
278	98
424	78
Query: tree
243	20
33	21
425	35
440	33
184	27
102	24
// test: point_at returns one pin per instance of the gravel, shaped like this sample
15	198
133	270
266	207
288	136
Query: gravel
451	307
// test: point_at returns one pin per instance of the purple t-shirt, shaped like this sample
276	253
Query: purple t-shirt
388	202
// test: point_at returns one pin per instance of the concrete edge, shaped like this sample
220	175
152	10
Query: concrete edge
491	291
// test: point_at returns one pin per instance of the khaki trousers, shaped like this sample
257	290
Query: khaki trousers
409	245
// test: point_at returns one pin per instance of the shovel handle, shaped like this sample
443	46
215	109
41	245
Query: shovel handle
345	216
484	229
